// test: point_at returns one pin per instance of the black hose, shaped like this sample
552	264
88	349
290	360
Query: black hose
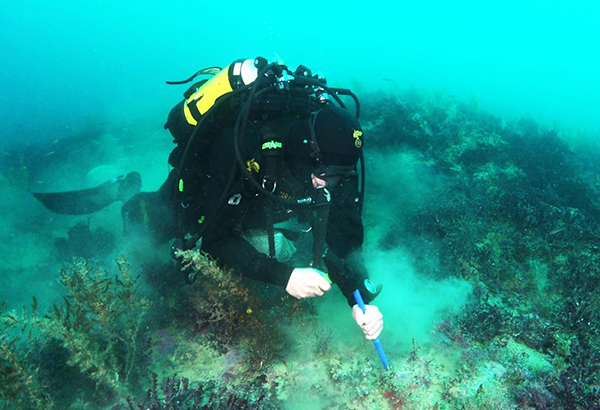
345	91
239	130
361	194
208	70
192	241
317	83
242	119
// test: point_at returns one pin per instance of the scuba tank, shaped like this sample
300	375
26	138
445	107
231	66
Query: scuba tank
237	74
201	98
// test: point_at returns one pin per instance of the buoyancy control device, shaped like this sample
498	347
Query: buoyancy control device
243	91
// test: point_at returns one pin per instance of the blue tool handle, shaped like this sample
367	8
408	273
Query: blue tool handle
361	304
359	301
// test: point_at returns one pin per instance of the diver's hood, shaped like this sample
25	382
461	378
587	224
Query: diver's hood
331	136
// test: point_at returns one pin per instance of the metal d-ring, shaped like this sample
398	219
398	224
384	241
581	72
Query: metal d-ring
274	185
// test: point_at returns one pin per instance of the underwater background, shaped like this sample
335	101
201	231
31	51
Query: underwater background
482	210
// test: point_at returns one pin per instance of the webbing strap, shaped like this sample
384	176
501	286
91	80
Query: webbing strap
270	230
320	235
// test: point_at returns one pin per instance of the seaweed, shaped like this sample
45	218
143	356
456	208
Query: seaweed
507	206
84	242
177	393
93	340
224	306
518	217
19	386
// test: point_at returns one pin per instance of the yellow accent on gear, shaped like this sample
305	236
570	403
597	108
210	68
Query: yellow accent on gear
207	94
252	165
357	141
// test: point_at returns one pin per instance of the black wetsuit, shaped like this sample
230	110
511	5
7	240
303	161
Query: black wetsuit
205	176
245	209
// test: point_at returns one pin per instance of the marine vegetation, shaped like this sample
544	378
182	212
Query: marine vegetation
93	338
511	207
232	314
520	220
223	301
177	394
84	242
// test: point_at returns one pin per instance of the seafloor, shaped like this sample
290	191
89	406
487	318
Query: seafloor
484	232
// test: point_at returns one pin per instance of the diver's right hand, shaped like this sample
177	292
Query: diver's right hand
307	283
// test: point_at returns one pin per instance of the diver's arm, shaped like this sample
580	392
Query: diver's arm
344	260
371	322
234	252
307	283
350	275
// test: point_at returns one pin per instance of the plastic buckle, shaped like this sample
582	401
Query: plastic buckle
235	199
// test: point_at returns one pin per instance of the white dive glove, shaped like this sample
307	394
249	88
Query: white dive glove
307	283
371	322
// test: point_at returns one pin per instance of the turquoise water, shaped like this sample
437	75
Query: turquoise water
481	213
66	63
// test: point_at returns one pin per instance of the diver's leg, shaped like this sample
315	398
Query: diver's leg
151	215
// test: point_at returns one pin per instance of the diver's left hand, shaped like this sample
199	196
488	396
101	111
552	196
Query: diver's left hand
371	322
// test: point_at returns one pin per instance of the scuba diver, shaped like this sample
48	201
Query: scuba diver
268	175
